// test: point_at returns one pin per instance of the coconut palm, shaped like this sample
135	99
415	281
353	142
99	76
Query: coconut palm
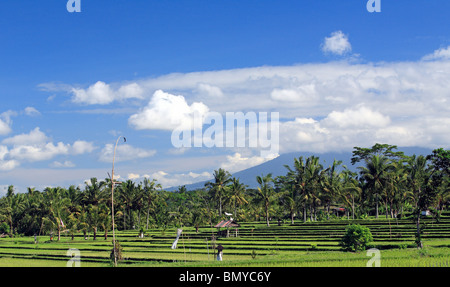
313	182
266	194
332	184
375	175
94	193
13	204
352	189
58	205
237	194
150	195
218	187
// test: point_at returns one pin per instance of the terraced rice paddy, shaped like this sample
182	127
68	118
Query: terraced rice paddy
301	244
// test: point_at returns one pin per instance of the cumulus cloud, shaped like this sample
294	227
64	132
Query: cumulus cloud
237	162
322	106
362	117
82	147
337	44
101	93
31	111
5	122
167	112
5	164
124	152
36	146
36	136
4	128
206	90
42	152
177	179
440	54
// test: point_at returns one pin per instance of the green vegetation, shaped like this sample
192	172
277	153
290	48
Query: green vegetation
356	238
298	219
298	244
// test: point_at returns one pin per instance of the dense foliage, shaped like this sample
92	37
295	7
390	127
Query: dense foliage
356	238
387	183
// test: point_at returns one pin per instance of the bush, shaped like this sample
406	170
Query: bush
4	228
118	253
356	238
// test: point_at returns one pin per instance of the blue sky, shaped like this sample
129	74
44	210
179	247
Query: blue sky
339	77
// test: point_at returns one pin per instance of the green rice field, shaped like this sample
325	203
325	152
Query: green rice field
314	244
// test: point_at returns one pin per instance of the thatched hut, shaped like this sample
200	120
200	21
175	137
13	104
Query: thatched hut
227	224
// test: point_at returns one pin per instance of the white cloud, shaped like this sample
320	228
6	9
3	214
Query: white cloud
5	122
6	165
82	147
4	128
31	111
322	106
337	44
177	179
206	90
356	118
440	54
133	176
34	137
65	164
237	162
124	152
130	91
101	93
167	112
36	146
35	153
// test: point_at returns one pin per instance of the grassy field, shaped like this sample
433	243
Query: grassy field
299	245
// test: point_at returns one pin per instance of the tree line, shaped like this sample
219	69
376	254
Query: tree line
386	183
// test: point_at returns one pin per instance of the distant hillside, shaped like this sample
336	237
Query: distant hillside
276	166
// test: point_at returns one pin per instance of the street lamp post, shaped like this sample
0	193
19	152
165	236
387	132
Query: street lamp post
112	198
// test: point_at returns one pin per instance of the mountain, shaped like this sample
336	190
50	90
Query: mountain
276	166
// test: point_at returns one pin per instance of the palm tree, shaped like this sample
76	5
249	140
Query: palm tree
94	192
130	196
296	178
375	175
352	189
313	180
96	216
396	179
13	204
265	193
332	185
218	187
419	181
237	196
150	195
58	207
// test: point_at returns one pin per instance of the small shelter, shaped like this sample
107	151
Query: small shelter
227	224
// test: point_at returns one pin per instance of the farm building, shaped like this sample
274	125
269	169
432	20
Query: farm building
227	224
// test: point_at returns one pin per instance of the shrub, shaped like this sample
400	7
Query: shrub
403	246
118	253
4	228
356	238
